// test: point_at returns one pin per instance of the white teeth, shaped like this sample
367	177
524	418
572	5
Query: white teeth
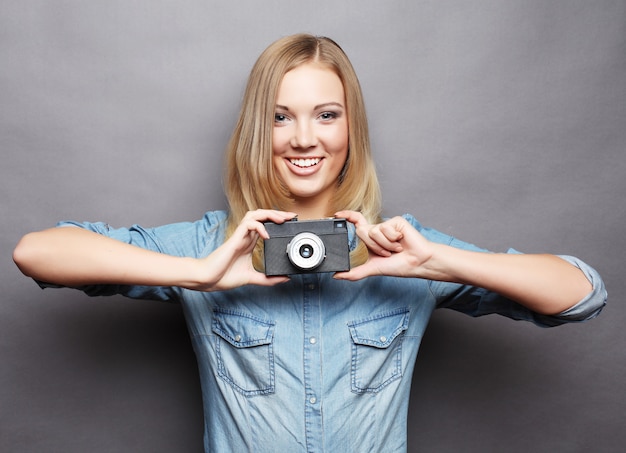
304	163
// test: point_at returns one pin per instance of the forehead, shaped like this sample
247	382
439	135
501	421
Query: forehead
312	82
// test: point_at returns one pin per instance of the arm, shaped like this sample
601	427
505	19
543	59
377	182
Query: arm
545	284
74	257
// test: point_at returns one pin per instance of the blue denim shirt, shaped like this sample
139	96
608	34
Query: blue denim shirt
315	364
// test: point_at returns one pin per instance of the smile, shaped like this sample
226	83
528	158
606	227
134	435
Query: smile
305	163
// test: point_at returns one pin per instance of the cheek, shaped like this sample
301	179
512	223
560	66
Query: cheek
279	140
338	141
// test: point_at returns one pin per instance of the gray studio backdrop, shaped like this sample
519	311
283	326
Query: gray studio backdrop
500	122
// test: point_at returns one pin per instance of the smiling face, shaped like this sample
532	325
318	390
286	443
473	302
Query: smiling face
310	137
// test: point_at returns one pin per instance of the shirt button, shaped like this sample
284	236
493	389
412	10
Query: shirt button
383	339
312	400
311	286
312	340
237	338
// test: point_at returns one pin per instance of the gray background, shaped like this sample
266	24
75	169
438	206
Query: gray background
500	122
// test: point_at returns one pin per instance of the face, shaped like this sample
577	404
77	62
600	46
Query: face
310	136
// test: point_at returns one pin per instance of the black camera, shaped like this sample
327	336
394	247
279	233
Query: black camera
307	246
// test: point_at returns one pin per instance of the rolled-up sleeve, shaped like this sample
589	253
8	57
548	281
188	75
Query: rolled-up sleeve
475	301
191	239
590	306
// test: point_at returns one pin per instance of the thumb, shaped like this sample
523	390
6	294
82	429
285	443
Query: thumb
357	273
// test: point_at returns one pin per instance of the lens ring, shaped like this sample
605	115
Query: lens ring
310	242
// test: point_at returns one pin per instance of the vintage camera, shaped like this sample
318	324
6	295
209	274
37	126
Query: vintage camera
307	246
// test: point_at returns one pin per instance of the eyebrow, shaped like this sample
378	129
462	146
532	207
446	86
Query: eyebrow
317	107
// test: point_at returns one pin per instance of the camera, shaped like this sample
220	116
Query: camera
307	246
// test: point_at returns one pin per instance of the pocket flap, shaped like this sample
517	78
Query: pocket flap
242	330
381	330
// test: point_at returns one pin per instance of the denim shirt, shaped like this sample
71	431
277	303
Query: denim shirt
314	364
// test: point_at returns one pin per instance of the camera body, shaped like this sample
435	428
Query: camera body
307	246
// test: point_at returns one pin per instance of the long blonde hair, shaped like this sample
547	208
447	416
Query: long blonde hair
251	181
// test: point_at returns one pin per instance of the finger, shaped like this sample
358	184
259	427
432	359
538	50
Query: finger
260	279
354	217
373	246
356	273
362	230
387	238
263	215
391	232
249	229
275	215
253	220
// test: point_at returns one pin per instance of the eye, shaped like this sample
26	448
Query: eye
280	118
328	116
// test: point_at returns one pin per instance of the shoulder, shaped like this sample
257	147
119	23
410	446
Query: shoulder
202	236
186	238
211	223
214	220
429	233
440	237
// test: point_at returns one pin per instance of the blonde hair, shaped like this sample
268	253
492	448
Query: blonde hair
251	181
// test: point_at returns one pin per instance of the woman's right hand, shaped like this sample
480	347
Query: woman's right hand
230	265
73	257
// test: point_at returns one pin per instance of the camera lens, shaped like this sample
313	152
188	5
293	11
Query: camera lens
306	251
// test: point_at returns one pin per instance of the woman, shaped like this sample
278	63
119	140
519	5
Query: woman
314	361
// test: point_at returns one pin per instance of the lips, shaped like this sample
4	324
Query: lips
305	163
304	166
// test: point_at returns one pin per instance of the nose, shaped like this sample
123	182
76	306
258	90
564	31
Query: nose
304	136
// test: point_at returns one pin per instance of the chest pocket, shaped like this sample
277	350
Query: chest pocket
244	350
377	350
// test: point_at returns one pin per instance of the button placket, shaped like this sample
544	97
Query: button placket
312	361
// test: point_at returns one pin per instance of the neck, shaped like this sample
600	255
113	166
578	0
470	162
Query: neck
310	211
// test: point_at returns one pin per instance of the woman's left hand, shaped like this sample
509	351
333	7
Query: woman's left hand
544	283
395	247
